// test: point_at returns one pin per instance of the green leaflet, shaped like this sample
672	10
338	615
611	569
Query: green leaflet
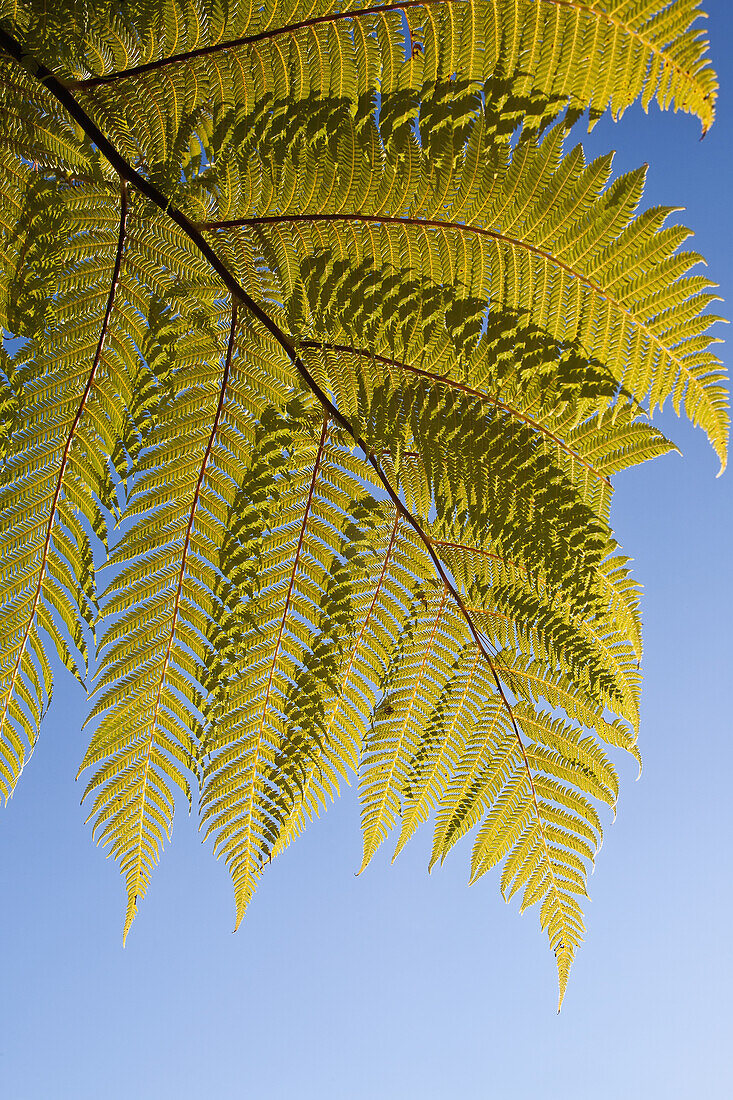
330	344
295	561
535	230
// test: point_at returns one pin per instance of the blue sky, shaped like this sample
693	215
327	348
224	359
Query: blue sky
398	984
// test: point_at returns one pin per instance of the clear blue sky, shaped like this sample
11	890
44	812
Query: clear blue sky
396	984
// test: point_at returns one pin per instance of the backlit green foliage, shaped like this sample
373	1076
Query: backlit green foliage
327	341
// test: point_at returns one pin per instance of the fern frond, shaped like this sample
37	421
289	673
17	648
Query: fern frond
350	707
351	365
413	678
599	53
144	732
538	231
48	574
293	583
544	837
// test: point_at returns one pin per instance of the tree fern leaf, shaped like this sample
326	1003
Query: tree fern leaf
241	804
558	226
445	734
379	207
